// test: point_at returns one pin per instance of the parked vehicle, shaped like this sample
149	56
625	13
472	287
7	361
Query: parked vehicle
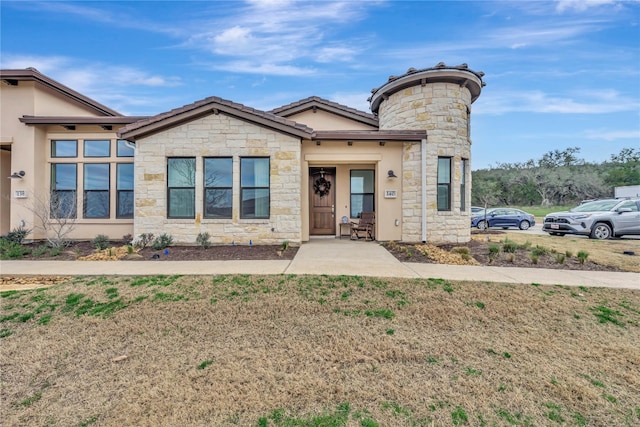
503	217
476	209
598	219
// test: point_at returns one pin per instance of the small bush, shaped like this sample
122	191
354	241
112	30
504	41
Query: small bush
494	250
509	246
100	242
540	251
127	239
534	258
560	258
568	253
11	250
582	256
144	240
17	235
203	240
162	241
39	251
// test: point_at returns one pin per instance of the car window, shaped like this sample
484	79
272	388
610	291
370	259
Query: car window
630	204
597	206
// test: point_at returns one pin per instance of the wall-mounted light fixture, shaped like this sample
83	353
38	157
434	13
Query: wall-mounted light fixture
382	143
390	174
17	175
349	143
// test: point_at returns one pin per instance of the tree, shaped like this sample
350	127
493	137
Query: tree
56	214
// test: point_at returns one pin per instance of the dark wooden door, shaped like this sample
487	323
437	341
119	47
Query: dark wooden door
322	206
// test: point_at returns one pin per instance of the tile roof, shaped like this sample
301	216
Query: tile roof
326	105
213	105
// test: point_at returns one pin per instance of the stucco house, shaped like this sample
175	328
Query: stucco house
238	173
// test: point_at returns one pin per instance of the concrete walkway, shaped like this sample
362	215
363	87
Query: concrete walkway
332	257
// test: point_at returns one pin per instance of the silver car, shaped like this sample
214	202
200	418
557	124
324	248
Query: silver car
598	219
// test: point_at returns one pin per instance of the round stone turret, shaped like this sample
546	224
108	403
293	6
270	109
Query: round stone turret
437	100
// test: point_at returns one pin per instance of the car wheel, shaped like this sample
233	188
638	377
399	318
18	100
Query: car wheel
524	225
600	231
482	225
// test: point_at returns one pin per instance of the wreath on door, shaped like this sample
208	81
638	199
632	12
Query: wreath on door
321	187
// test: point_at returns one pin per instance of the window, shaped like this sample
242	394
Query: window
254	187
96	190
63	190
124	190
444	183
181	192
97	148
124	149
64	148
463	184
218	183
362	192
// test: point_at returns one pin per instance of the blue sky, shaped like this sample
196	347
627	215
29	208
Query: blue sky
559	74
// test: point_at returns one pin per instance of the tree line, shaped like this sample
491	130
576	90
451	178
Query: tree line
558	178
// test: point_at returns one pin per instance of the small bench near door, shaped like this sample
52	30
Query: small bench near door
365	227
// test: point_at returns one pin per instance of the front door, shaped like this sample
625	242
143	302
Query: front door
322	193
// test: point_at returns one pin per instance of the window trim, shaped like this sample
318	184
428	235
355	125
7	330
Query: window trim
464	166
205	187
351	193
169	188
84	148
445	184
53	144
53	192
86	192
118	191
267	187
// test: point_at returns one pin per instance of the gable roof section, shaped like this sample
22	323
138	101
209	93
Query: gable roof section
13	77
212	105
315	102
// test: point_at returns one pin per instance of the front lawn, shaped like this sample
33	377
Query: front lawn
318	351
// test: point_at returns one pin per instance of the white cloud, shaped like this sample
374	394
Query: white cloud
581	5
590	102
613	135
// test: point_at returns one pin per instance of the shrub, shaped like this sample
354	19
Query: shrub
582	256
534	258
203	240
568	253
560	258
17	235
11	250
144	240
509	246
127	239
162	241
540	251
100	242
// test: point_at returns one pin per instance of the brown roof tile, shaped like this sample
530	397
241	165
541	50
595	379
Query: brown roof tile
326	105
213	105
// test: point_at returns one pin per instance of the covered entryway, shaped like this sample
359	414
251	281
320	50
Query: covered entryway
322	201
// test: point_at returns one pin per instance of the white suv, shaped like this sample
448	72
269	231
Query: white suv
599	219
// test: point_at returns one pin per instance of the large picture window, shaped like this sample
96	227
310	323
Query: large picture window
254	187
218	187
444	183
123	149
63	190
362	192
181	191
96	190
124	190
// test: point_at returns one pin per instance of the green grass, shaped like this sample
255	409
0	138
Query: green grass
607	315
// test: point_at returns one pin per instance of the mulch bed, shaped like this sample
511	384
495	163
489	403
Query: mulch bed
404	252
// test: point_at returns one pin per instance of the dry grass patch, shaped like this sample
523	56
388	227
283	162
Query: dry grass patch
316	350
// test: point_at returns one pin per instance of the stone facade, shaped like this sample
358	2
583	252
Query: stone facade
442	109
219	135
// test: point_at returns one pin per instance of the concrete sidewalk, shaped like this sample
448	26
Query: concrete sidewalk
332	257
